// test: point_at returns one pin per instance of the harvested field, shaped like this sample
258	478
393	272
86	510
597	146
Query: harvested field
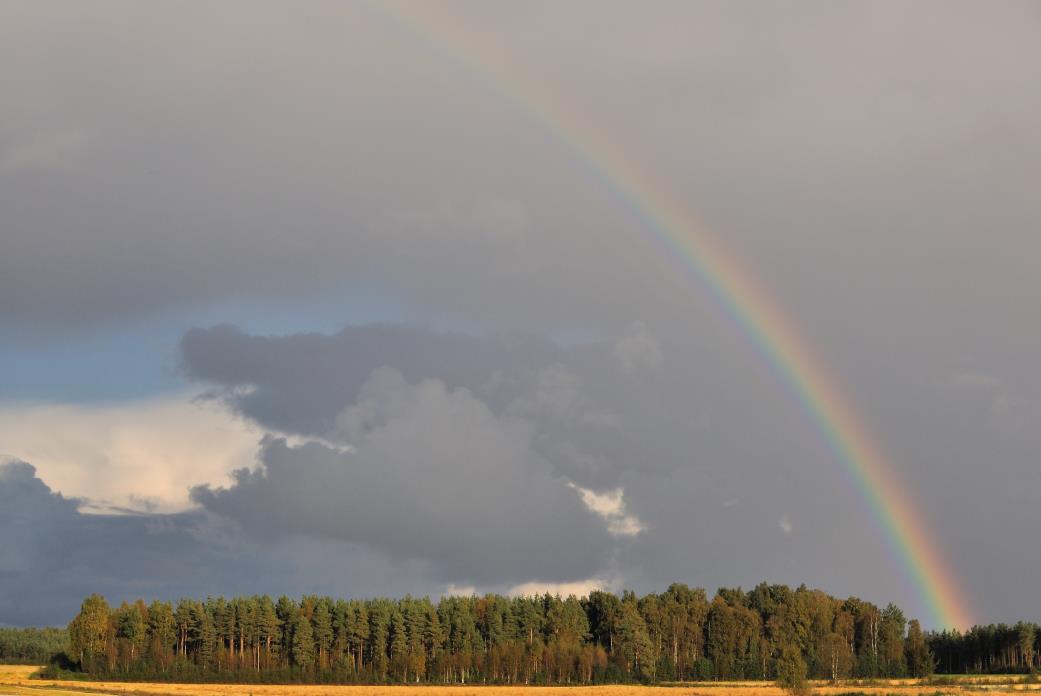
16	680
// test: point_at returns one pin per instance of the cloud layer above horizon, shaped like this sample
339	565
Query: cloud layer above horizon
305	297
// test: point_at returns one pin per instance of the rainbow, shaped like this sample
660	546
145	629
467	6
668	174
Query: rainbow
700	260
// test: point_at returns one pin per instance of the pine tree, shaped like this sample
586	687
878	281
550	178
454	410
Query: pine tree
379	636
433	634
358	631
269	628
303	642
207	638
399	644
322	625
634	642
286	611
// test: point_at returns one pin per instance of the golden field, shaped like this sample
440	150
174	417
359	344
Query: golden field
15	680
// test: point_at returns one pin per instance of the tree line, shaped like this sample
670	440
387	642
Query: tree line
33	646
995	648
678	634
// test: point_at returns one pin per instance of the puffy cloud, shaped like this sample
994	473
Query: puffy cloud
611	506
434	474
26	498
582	588
590	420
300	383
143	454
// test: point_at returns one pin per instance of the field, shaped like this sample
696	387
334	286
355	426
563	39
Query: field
15	680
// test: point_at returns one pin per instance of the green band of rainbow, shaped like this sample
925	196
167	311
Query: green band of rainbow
700	259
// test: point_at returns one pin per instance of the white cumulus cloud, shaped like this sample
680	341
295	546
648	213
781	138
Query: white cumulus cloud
581	588
140	454
610	505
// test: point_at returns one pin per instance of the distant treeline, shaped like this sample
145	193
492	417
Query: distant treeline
677	635
31	646
995	649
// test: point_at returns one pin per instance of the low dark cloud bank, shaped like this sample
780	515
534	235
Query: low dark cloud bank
464	459
437	459
53	555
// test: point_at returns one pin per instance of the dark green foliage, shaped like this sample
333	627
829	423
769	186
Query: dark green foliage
303	643
791	670
919	659
995	648
36	646
207	638
633	644
772	632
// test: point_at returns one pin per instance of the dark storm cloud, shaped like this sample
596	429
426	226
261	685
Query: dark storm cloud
466	464
606	414
430	473
53	556
720	505
592	406
299	383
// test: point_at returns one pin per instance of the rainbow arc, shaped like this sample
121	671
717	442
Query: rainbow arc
702	262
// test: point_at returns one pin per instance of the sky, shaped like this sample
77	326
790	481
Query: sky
313	298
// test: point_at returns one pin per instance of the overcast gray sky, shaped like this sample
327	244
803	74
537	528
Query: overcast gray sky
314	298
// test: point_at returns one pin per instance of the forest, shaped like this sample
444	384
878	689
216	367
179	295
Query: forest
34	646
679	634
